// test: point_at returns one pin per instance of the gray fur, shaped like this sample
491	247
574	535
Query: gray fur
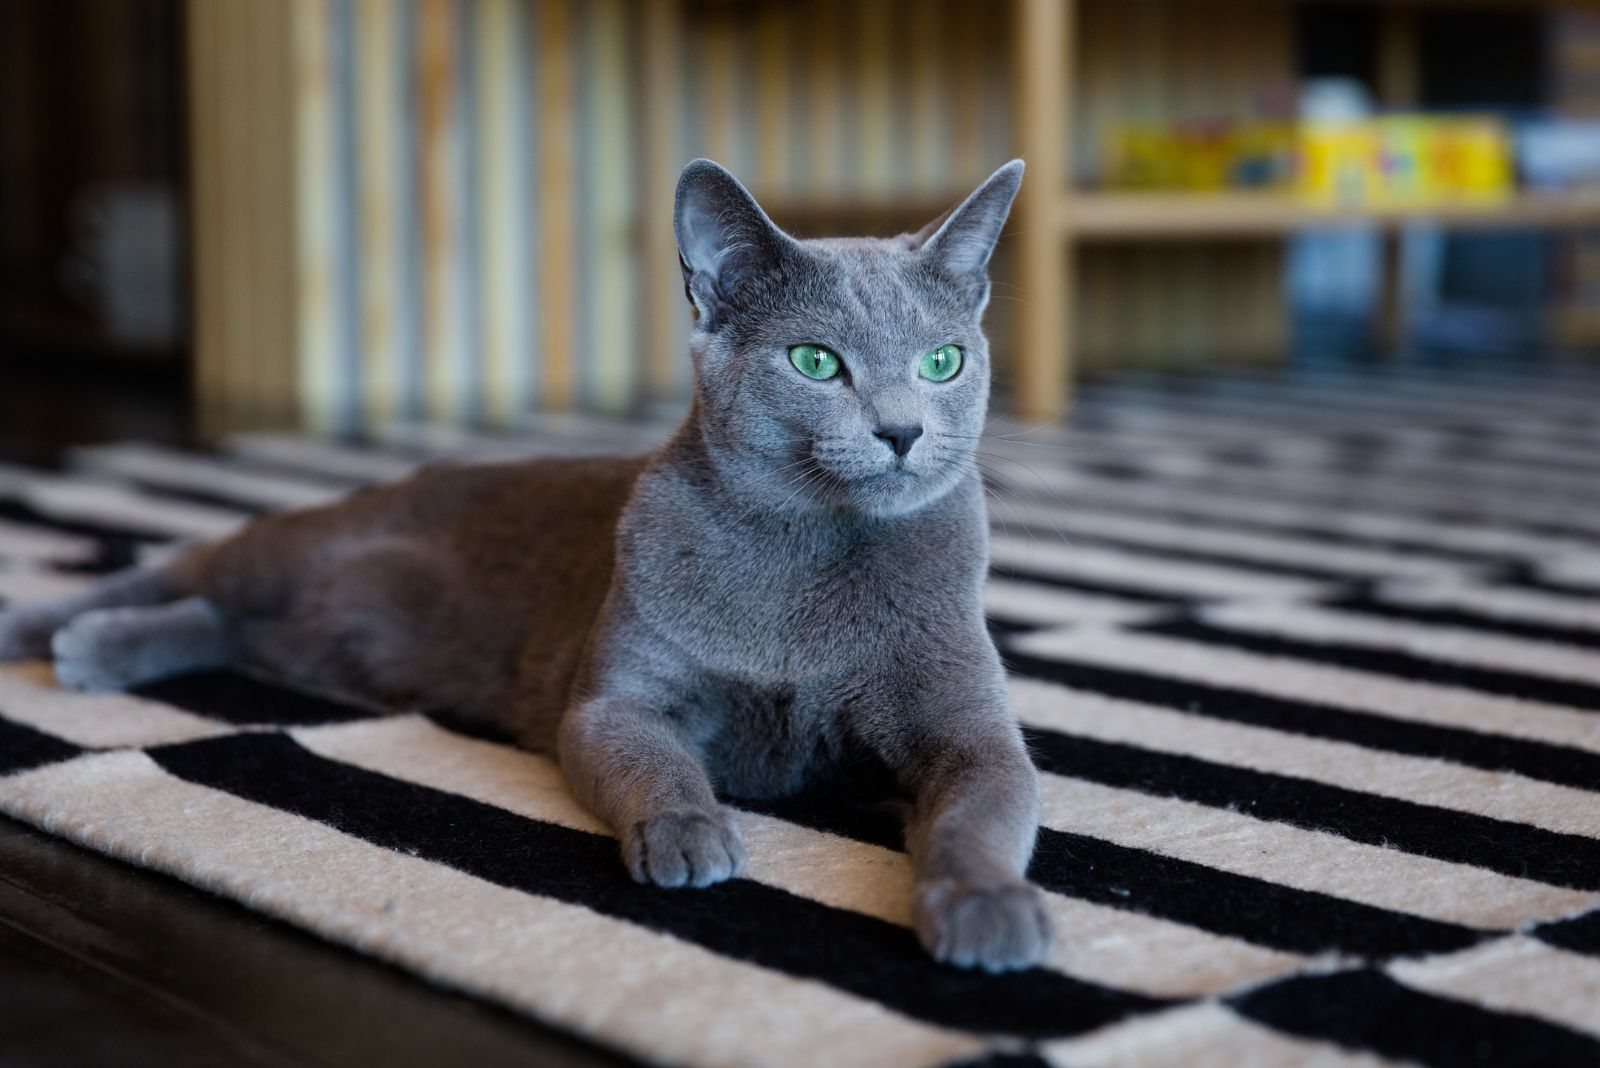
771	597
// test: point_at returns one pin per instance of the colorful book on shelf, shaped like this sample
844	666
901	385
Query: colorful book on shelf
1200	156
1395	161
1406	161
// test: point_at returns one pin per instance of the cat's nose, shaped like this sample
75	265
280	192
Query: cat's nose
898	438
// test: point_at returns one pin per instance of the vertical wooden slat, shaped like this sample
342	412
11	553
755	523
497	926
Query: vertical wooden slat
275	168
243	70
377	58
968	23
557	185
924	74
1044	50
242	268
210	366
502	229
773	132
466	181
661	42
609	287
876	131
820	45
438	148
234	89
314	223
1399	58
721	101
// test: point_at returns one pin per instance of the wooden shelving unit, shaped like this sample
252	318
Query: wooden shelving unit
1160	216
1053	222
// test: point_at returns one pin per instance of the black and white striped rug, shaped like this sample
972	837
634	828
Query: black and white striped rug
1311	667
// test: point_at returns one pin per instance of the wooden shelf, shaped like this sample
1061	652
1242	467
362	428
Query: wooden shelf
1107	217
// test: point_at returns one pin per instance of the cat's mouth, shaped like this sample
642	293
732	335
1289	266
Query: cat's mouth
873	484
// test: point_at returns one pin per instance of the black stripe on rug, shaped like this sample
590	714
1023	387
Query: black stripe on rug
116	547
1465	619
1337	501
1527	577
1253	910
1001	626
740	919
1581	934
1109	589
1514	849
1004	1060
1366	1010
1553	691
233	697
22	747
1488	752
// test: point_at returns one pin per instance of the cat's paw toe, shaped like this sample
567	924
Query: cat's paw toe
684	847
94	653
25	633
995	928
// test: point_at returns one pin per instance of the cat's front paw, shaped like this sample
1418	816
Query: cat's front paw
684	847
997	928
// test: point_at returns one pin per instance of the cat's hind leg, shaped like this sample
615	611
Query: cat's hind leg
27	629
117	648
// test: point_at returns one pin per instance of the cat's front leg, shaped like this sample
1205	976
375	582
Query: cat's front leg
634	768
974	817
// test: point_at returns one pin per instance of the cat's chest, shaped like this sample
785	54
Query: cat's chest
765	741
781	611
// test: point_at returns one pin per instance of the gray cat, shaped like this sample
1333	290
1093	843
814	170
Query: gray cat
792	585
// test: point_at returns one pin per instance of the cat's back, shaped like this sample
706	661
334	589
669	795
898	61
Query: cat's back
535	537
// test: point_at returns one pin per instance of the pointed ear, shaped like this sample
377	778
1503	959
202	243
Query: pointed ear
960	241
726	243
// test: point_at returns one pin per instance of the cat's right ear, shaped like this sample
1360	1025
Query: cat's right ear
726	243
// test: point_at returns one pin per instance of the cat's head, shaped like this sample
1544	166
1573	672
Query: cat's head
841	374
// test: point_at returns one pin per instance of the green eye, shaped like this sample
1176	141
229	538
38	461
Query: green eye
941	364
814	361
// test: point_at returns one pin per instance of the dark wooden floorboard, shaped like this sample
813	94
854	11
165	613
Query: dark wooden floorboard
104	963
61	1010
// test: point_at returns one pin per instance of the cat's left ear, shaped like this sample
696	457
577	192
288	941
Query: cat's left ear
726	243
960	241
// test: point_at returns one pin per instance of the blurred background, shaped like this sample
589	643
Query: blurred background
331	215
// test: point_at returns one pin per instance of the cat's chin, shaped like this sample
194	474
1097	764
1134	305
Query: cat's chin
891	493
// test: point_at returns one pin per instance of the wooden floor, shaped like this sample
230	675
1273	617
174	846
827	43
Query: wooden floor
102	963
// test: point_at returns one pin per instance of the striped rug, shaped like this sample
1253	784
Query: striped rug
1310	666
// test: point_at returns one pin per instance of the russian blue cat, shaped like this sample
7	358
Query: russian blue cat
791	585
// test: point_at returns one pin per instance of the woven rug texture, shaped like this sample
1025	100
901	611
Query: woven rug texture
1310	666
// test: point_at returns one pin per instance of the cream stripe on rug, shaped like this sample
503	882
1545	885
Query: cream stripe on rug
1207	1035
1129	569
